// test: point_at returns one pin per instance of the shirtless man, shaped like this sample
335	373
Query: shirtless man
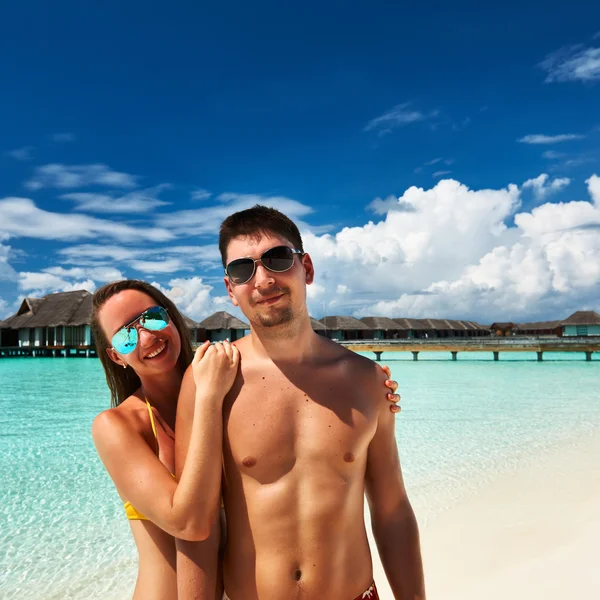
306	433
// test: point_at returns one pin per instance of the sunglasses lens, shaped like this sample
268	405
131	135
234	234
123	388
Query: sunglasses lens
240	270
125	340
278	259
155	319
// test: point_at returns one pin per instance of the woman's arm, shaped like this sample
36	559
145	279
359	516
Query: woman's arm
186	509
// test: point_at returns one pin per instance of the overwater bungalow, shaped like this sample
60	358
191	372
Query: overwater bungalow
56	324
221	326
583	323
539	328
317	326
440	328
382	328
344	328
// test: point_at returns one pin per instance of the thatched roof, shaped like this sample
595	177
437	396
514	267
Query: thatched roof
538	325
381	324
502	325
53	310
414	324
189	323
342	323
583	317
438	324
317	325
222	320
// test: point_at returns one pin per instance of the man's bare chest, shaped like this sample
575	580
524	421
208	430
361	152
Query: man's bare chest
274	424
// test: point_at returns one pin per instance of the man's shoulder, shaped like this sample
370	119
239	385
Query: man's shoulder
355	365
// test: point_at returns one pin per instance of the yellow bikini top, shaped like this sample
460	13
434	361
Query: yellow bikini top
130	511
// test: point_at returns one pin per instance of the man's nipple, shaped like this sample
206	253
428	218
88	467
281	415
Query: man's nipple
249	461
349	457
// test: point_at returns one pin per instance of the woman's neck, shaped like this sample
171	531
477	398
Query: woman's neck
162	391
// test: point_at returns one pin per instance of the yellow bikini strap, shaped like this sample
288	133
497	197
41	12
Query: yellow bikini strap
152	423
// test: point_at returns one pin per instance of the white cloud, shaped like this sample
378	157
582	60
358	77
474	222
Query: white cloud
400	115
446	227
542	187
539	138
381	207
200	194
4	312
64	137
24	153
6	271
572	63
440	174
193	297
40	284
454	255
169	265
206	221
553	155
77	176
20	217
103	274
59	279
133	202
433	161
544	267
154	260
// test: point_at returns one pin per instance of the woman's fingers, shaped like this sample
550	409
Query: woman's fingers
393	385
394	399
201	351
236	356
228	349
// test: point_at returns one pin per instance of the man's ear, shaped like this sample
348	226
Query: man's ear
112	354
309	269
229	288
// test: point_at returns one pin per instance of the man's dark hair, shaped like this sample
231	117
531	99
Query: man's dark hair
255	222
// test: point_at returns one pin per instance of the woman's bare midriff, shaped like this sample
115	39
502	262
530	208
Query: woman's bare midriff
157	578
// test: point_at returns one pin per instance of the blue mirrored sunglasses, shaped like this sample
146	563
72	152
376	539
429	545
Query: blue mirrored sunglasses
153	319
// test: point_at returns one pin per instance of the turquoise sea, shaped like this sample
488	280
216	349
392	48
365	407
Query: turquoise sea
63	533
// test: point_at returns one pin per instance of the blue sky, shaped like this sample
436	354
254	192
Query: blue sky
130	129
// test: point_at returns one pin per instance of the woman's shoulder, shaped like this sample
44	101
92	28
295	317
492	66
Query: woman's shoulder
125	419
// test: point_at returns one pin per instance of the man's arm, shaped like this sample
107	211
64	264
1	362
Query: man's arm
197	562
394	524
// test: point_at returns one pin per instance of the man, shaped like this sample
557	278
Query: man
306	433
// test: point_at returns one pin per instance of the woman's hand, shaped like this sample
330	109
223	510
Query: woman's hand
215	367
392	385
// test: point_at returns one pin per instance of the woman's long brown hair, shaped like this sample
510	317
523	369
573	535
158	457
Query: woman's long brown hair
124	382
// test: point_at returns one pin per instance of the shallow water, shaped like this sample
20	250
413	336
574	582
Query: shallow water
63	533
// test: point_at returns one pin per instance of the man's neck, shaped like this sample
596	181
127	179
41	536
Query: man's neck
162	392
294	342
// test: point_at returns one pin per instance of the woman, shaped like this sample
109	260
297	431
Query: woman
144	346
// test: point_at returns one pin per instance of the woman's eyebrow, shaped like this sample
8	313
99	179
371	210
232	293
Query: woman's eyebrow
129	322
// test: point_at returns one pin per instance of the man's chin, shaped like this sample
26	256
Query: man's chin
275	319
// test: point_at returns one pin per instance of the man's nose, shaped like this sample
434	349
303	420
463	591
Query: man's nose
263	277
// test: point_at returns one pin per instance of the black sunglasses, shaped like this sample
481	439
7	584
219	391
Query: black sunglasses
278	260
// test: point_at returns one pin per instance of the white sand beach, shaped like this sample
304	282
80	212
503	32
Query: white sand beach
532	534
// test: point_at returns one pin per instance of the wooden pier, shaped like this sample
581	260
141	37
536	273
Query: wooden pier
494	345
47	351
